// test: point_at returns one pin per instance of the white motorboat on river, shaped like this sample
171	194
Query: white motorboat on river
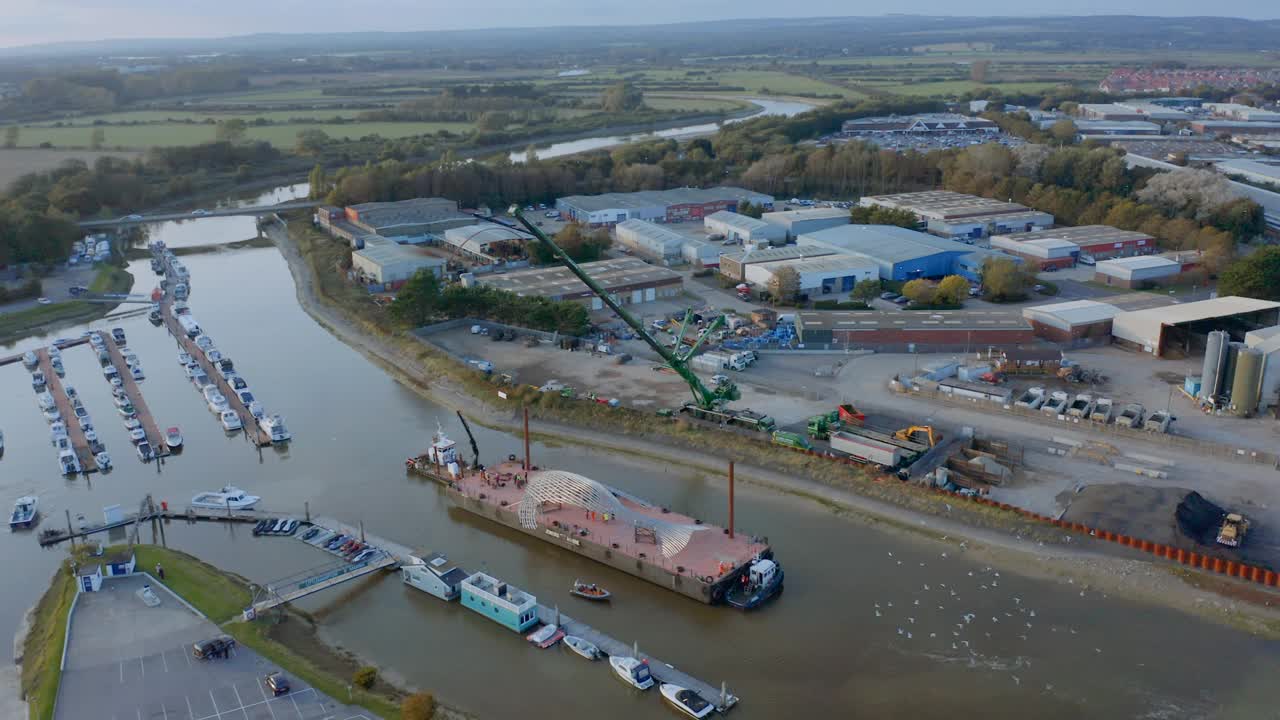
229	496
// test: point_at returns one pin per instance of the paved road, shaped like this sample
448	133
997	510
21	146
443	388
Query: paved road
127	661
221	212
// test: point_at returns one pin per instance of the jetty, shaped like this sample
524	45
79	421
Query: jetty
154	438
148	513
75	433
60	344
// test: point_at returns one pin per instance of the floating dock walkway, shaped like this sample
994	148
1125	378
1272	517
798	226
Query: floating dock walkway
154	437
311	581
61	345
75	433
661	671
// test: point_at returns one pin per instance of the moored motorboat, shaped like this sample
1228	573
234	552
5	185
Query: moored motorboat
68	462
632	671
24	511
686	701
590	591
30	359
274	426
173	438
184	359
231	421
229	496
103	460
545	636
585	648
761	582
138	435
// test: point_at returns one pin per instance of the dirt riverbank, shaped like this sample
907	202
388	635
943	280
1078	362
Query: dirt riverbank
999	538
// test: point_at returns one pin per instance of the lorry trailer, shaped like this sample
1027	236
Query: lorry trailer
867	450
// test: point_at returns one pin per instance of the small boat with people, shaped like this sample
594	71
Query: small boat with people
545	636
583	647
686	701
632	671
229	496
760	583
24	511
590	591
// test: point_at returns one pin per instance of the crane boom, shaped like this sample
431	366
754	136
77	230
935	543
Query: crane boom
703	396
475	449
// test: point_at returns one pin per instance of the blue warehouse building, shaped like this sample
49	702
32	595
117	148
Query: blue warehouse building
903	254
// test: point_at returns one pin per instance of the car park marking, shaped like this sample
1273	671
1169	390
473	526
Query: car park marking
165	661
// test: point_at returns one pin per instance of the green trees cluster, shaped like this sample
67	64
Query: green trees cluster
579	243
1004	280
422	300
622	97
99	90
1256	275
876	215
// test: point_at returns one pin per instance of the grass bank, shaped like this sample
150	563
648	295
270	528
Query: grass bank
287	638
42	650
17	325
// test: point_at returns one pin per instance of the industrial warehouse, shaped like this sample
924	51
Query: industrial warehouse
798	222
1098	241
956	215
631	280
651	241
943	331
1074	323
903	254
405	221
1183	329
734	265
743	230
676	205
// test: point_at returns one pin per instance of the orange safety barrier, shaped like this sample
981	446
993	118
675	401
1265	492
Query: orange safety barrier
1231	567
1217	565
1182	556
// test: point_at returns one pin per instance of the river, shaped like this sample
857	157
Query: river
873	622
571	147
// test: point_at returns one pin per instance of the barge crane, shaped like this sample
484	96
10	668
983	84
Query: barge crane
708	404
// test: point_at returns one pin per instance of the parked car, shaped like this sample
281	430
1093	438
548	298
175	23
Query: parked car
212	647
277	683
901	300
888	296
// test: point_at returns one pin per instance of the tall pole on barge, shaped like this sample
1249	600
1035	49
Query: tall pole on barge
730	499
527	463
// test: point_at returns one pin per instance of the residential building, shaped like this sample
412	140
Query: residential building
798	222
499	601
744	229
651	241
630	280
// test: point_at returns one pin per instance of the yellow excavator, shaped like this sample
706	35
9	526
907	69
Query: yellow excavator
911	432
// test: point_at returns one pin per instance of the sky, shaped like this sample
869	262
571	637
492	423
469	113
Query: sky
29	22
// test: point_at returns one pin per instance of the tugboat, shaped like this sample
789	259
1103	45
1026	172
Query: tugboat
760	583
686	701
590	591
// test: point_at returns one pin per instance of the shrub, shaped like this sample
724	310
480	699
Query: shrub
418	706
365	677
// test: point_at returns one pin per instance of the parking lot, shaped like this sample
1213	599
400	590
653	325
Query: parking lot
127	661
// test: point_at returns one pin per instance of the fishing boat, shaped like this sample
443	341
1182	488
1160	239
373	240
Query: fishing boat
545	636
686	701
760	583
229	496
632	671
590	591
585	648
24	511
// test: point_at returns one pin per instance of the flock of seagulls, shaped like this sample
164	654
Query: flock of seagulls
1011	619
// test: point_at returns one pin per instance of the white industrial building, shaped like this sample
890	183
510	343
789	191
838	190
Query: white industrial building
1072	322
1267	341
818	276
387	263
486	243
650	241
1236	111
1159	329
744	229
1040	252
1136	272
957	215
700	252
799	222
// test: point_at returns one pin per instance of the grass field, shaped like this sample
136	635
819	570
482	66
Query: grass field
694	103
780	83
173	134
951	88
158	116
42	651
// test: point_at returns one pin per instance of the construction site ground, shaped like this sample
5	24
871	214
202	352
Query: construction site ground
793	386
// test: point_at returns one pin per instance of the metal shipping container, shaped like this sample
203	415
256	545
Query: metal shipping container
867	449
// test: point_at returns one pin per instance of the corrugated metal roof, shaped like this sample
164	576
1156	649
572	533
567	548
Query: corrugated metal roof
889	243
1200	310
738	222
1076	312
1140	262
652	231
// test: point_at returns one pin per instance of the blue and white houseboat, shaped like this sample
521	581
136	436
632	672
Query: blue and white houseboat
499	601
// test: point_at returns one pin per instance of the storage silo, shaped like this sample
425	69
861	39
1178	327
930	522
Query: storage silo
1215	354
1227	375
1244	388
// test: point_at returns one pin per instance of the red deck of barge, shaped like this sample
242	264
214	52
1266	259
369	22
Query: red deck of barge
709	555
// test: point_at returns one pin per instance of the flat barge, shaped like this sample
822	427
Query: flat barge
679	553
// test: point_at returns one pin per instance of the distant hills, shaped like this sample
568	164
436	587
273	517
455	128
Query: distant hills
792	37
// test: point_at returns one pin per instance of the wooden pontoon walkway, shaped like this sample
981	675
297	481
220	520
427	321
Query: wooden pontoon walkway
154	436
249	424
74	432
61	346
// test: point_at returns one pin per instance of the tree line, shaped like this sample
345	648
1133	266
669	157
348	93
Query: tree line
422	300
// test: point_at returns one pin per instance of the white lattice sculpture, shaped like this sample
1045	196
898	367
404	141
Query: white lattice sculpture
557	486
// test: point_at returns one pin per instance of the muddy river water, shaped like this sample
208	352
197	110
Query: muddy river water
872	624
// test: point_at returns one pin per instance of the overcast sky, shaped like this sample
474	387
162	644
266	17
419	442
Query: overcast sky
27	22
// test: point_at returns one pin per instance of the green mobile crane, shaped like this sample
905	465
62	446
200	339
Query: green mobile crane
707	404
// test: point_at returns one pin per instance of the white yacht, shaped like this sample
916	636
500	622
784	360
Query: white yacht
218	404
632	671
132	423
230	420
184	359
30	359
136	373
228	497
255	409
138	435
273	425
68	462
110	372
103	460
24	511
90	435
173	438
46	400
52	415
686	701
